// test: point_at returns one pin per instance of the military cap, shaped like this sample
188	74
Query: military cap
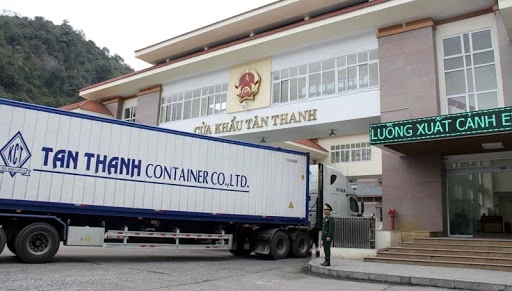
327	207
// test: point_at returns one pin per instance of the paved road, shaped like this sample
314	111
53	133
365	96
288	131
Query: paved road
76	268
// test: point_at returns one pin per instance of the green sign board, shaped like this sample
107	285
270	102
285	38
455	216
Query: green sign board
442	126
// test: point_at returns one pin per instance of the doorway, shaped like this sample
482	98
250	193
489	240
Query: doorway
479	194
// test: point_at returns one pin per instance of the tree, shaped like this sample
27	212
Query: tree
48	64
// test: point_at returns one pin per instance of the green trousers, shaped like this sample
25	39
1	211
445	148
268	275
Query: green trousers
327	250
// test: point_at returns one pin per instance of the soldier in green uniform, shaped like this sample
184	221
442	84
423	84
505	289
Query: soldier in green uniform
327	233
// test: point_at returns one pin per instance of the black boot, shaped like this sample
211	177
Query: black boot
326	264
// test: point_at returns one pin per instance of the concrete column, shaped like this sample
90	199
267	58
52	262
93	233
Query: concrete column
413	185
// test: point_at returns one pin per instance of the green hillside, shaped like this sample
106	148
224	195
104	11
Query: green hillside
48	64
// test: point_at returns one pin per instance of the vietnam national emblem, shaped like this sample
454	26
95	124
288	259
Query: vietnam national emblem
247	85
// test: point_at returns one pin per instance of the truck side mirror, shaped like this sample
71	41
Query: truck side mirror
362	207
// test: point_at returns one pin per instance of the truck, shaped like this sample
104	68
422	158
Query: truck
73	179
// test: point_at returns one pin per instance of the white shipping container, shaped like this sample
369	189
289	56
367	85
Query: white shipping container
59	159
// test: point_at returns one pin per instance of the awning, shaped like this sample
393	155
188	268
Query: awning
462	133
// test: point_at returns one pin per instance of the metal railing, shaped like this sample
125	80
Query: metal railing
354	232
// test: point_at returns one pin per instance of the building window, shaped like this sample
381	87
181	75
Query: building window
325	78
195	103
470	72
129	114
354	152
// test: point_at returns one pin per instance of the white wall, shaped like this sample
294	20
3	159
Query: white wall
330	109
324	51
361	168
195	82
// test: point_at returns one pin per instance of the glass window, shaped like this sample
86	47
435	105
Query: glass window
483	58
293	89
470	72
481	40
374	55
352	59
328	86
129	114
187	107
216	107
194	103
363	76
327	77
285	74
314	67
457	104
451	46
485	78
314	85
352	78
487	100
211	104
362	57
342	61
303	70
303	93
294	72
453	63
374	74
328	65
351	152
223	102
204	106
285	90
342	80
276	76
455	83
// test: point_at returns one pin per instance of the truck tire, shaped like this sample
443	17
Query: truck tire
279	245
3	239
37	243
301	245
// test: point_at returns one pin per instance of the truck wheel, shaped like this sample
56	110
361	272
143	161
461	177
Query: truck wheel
279	246
300	245
37	243
3	239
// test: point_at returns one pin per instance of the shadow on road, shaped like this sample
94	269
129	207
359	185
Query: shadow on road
143	258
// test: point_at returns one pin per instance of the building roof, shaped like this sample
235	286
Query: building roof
252	22
365	16
89	106
310	143
191	54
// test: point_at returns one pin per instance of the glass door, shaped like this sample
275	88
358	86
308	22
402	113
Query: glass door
463	204
479	193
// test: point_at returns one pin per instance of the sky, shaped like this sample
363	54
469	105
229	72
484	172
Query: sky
126	26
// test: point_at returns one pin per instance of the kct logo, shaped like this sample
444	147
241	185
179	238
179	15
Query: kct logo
14	155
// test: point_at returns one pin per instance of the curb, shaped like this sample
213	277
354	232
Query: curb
409	280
